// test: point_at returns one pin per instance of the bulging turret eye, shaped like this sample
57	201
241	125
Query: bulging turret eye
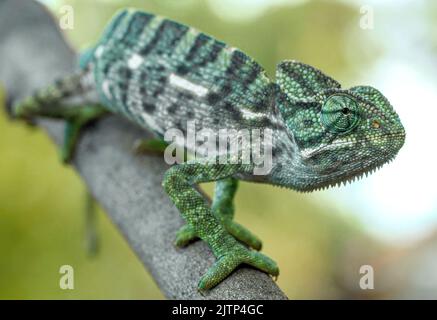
340	113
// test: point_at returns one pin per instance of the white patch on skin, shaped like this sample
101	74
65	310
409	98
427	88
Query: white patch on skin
135	61
251	115
99	51
105	89
309	152
276	122
185	84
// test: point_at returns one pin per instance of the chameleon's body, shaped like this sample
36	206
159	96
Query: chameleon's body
160	74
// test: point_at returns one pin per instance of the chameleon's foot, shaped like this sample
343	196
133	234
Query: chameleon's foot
232	259
187	235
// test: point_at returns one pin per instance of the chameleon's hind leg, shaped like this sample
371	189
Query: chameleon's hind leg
75	122
76	118
223	208
179	182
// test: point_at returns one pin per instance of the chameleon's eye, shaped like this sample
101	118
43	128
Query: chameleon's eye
340	113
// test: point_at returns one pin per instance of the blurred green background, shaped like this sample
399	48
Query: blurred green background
319	240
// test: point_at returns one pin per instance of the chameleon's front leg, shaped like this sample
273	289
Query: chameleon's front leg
223	208
179	183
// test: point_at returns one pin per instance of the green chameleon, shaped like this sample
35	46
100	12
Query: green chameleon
159	74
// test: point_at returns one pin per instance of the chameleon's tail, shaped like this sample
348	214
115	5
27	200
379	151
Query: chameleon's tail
46	102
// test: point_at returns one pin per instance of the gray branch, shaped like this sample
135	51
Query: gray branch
32	53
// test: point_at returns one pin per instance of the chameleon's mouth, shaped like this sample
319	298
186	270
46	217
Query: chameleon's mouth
322	183
353	176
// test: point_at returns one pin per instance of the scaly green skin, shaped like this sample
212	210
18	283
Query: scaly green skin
159	74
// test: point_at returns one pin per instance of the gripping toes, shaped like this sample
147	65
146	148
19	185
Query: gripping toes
187	235
228	262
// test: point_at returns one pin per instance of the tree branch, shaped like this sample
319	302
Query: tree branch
33	53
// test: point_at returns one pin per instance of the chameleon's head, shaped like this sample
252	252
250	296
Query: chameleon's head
340	134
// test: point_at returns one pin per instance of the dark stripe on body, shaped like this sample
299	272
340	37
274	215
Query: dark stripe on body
253	74
204	50
166	37
136	27
124	35
238	60
200	41
173	108
148	107
124	75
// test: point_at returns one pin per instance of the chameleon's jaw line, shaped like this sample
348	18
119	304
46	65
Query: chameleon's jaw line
338	182
319	177
353	178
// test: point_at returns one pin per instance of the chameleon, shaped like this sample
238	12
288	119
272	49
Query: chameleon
159	74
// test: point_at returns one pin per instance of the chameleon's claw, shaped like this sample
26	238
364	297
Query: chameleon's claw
232	259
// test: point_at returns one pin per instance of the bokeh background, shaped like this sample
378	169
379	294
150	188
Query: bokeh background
320	240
